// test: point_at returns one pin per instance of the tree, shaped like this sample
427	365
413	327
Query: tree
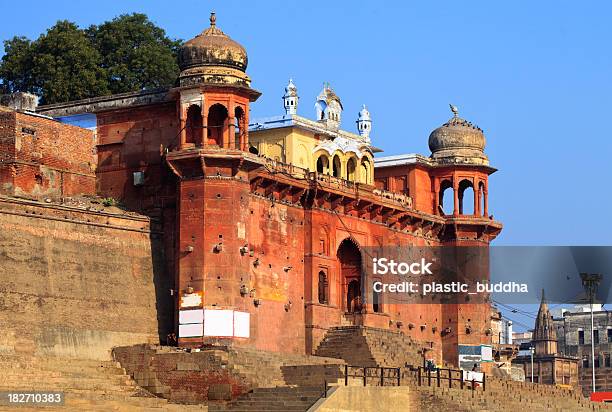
128	53
16	64
66	66
136	54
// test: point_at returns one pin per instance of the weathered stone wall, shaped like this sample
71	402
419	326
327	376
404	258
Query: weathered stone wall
76	283
40	157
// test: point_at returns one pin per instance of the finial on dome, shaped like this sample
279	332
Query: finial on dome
213	19
455	110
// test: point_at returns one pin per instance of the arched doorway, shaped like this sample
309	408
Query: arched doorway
466	198
349	257
239	129
193	126
351	165
322	164
448	207
217	124
337	167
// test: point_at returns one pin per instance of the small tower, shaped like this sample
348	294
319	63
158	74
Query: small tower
544	334
290	98
364	123
328	107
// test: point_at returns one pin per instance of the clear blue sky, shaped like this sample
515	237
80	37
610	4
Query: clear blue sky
536	76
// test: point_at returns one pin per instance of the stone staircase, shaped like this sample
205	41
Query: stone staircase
273	399
503	395
271	369
220	373
366	346
89	385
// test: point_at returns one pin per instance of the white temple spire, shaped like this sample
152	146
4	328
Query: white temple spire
364	123
290	98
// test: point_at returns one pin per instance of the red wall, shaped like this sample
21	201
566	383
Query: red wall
44	158
216	205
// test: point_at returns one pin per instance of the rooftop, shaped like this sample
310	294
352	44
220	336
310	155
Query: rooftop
293	120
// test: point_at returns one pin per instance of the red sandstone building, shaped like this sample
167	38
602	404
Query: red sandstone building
266	251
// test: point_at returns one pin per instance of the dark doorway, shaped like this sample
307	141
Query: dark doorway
353	297
193	128
349	256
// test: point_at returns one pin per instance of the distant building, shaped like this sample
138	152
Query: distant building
501	328
574	333
521	337
550	366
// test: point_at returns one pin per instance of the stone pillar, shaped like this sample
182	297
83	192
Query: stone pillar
231	131
436	196
182	126
486	202
476	201
231	123
204	124
456	196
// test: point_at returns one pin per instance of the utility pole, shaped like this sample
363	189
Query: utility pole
531	350
590	281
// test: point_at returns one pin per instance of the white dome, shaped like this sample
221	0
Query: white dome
364	114
290	89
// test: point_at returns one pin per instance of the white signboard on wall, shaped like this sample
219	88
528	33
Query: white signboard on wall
487	353
218	323
190	330
242	324
191	316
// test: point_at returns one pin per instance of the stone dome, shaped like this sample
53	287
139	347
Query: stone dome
458	141
213	57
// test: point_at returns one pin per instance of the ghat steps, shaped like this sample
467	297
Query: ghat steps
366	346
273	399
506	396
285	382
89	385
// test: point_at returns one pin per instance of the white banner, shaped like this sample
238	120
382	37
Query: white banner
191	330
191	316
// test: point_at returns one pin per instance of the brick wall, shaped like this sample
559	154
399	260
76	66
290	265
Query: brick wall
40	157
134	140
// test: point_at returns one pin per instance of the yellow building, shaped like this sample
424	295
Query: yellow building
316	145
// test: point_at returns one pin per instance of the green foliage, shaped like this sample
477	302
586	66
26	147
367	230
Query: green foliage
66	66
136	53
128	53
16	65
109	201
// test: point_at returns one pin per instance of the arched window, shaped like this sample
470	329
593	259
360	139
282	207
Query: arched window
446	199
323	241
365	171
239	128
322	288
337	167
351	165
217	124
322	164
466	197
193	126
481	197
